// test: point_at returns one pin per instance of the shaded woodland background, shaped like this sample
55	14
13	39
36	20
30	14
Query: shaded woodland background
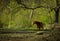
16	17
19	14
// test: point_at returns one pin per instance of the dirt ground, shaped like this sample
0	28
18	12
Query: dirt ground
21	37
54	35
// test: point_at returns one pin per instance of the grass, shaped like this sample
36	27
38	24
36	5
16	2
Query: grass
25	29
20	29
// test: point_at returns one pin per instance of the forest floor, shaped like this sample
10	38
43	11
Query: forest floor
54	35
23	36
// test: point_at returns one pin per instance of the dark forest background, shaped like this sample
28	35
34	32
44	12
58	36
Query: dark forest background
19	14
17	17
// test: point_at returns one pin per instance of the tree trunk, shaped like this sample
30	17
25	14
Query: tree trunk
56	15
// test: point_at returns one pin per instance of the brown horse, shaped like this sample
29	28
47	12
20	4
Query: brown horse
39	24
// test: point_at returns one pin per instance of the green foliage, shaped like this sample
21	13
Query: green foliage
44	15
15	17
